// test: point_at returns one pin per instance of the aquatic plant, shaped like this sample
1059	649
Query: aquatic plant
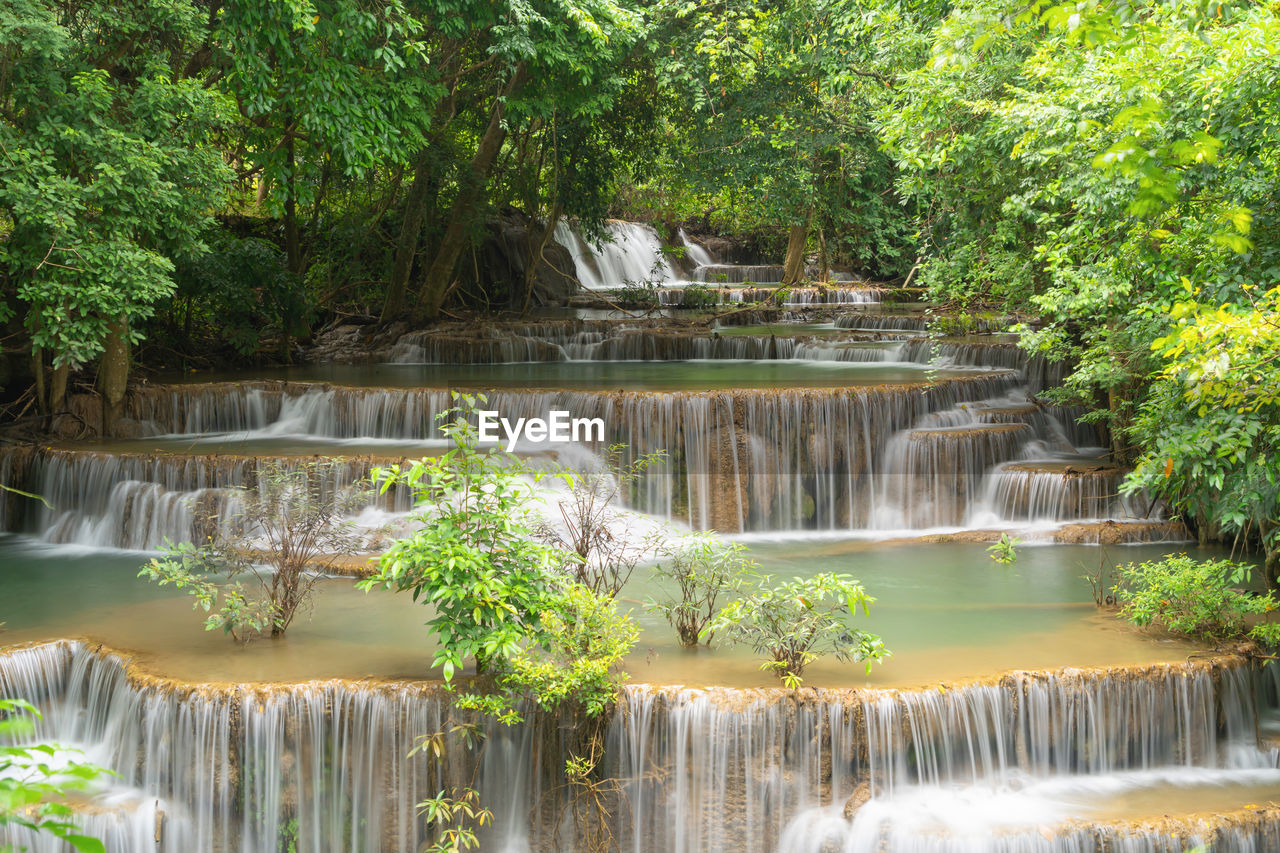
798	621
1198	598
704	570
281	532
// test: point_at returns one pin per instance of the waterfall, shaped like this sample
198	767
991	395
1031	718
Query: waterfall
325	766
631	254
755	460
141	500
1021	491
1039	371
696	254
932	477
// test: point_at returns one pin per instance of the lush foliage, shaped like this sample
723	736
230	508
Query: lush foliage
573	660
475	558
1211	432
281	533
1199	598
705	571
795	622
501	597
35	780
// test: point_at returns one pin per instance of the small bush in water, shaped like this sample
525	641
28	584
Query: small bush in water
704	571
1197	598
799	621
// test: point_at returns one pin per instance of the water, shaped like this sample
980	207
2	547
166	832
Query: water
1026	763
948	612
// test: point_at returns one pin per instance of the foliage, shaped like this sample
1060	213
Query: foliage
1005	551
795	622
704	570
281	532
1079	161
35	781
570	662
454	815
1211	432
108	171
476	559
1198	598
602	537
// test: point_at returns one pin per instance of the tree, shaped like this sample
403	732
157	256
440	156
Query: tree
108	174
602	537
283	532
35	781
704	571
475	558
1211	429
796	622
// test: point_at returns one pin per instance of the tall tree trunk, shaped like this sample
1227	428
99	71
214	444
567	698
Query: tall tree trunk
113	372
292	249
58	389
824	259
436	284
535	252
37	371
793	266
422	195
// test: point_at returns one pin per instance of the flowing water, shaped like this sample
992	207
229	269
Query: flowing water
1013	716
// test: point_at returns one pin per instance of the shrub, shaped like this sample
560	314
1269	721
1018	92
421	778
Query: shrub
703	570
476	559
283	532
798	621
1197	598
601	537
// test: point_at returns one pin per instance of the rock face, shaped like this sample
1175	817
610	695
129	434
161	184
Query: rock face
495	271
860	797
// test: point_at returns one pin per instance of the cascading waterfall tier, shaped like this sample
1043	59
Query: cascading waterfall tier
141	500
736	460
838	295
325	766
1039	371
1057	491
625	342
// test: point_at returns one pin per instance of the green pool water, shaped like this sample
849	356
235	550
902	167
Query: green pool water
947	611
596	375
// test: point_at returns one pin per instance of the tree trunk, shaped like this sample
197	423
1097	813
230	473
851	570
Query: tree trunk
535	252
292	249
421	196
436	284
113	372
58	389
824	260
793	266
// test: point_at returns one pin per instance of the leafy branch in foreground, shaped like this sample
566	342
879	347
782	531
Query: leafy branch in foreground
36	780
797	621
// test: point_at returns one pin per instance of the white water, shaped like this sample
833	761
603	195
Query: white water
631	255
725	771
